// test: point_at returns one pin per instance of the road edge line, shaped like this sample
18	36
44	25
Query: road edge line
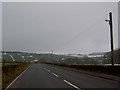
17	78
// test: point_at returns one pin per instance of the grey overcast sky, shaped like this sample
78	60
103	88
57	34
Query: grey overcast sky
62	27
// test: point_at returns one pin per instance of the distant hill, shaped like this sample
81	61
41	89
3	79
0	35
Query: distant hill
92	58
98	53
76	55
116	57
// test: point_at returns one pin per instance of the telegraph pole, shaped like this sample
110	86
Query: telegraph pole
111	36
52	56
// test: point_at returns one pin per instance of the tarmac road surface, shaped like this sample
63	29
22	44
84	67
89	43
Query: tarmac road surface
49	76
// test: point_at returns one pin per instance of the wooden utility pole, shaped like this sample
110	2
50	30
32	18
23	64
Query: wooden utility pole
52	56
111	37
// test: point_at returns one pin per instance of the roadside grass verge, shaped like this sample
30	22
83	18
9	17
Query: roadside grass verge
110	70
10	72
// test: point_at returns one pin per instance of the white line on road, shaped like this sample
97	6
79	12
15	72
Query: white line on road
55	74
44	68
72	84
48	70
17	77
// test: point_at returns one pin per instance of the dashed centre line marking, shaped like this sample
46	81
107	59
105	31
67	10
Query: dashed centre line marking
48	70
44	68
64	80
72	85
55	74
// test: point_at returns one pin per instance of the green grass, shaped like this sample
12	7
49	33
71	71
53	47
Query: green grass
17	57
6	58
